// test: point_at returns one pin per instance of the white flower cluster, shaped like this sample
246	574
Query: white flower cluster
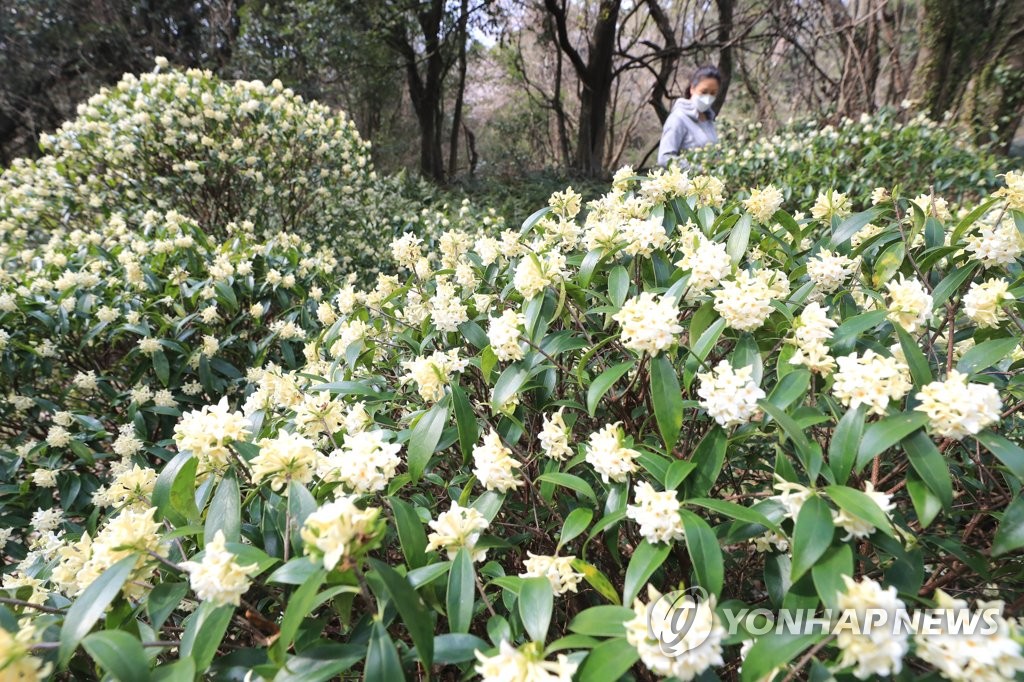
810	332
831	204
857	527
338	531
693	651
525	664
608	456
554	436
873	650
286	457
729	395
996	244
459	527
657	513
972	656
433	372
535	272
983	303
218	578
957	408
557	569
871	380
763	203
708	261
649	324
829	270
208	432
493	464
365	463
745	301
504	333
910	306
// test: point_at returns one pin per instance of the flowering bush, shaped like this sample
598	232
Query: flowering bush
229	156
854	157
498	460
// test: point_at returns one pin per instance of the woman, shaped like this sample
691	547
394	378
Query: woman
691	122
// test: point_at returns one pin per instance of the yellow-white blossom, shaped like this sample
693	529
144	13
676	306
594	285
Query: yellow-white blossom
657	513
339	530
874	650
286	457
557	569
763	203
219	578
608	456
671	653
459	527
910	306
957	408
870	379
983	303
554	436
504	332
649	324
493	464
729	395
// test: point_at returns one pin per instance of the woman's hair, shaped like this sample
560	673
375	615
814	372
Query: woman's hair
706	71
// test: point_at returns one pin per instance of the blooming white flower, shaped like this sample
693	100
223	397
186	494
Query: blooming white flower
700	646
649	324
956	408
433	372
525	664
504	333
557	569
657	513
829	204
493	464
536	272
910	306
996	245
339	530
207	432
763	203
871	380
729	395
218	578
459	527
972	656
876	650
829	270
983	303
608	456
365	463
554	436
286	457
744	302
812	329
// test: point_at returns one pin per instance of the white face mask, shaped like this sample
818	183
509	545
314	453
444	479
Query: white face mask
704	102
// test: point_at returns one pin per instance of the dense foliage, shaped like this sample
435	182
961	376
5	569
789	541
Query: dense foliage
221	457
885	149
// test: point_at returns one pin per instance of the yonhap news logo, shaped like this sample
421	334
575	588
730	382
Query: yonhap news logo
680	621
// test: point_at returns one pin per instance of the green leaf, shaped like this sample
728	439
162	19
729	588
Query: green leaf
926	504
414	614
604	382
533	219
845	444
119	654
536	603
853	224
602	621
509	383
575	524
951	283
382	662
456	647
174	493
596	579
667	399
789	426
411	535
162	601
828	573
1007	452
919	369
861	505
466	422
90	606
608	661
204	632
702	348
739	237
618	285
881	435
709	456
790	388
301	504
183	670
888	263
986	354
734	511
773	650
301	602
295	572
569	481
225	513
1010	534
645	561
929	464
704	551
846	333
812	535
161	367
425	436
461	592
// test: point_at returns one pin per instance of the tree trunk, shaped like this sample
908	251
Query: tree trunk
725	23
453	149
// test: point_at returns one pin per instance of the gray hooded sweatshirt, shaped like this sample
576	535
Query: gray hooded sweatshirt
683	131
